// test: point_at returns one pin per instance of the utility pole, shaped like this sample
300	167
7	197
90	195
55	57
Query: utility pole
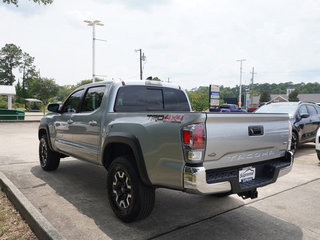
141	58
240	60
251	88
93	24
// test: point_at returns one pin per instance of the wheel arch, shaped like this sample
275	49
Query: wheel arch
44	130
120	144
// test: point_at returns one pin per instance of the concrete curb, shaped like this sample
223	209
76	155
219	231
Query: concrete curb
37	222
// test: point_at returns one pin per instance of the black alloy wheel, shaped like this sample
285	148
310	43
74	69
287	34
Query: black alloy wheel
129	198
121	188
49	160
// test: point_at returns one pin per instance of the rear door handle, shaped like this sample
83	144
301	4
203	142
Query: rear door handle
70	121
93	123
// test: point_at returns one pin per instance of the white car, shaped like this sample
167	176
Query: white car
318	143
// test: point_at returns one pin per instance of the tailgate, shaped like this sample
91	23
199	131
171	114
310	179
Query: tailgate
236	139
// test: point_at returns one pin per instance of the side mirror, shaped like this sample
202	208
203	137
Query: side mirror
304	115
53	107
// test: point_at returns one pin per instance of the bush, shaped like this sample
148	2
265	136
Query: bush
17	105
3	103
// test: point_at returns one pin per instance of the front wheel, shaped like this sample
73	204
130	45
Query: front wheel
49	160
129	198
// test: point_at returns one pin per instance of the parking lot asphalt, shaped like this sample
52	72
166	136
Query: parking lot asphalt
74	199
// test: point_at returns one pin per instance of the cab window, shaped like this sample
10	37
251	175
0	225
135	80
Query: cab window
72	103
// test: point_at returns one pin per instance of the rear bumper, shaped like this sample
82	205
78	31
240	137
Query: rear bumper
203	181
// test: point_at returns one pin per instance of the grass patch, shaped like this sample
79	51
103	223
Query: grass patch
12	226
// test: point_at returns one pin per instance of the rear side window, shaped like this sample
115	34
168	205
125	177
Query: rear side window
143	99
92	99
138	99
175	100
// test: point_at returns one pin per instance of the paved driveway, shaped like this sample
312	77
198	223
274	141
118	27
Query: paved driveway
74	200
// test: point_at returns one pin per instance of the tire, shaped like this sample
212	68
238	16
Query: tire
294	143
318	153
49	160
129	198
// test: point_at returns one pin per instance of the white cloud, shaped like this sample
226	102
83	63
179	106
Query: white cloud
192	42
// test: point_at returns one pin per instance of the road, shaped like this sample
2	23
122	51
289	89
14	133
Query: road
74	200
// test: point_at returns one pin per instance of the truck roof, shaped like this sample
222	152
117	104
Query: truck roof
136	82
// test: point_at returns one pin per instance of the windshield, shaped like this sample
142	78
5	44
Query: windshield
278	108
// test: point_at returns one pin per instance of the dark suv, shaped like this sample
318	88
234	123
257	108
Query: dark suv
304	116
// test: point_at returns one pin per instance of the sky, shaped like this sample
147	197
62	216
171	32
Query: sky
190	43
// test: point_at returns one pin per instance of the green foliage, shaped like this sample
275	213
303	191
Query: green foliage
63	93
227	92
156	79
15	2
29	73
43	89
3	103
293	96
17	105
10	58
265	96
199	98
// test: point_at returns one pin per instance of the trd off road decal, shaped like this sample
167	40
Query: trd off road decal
171	118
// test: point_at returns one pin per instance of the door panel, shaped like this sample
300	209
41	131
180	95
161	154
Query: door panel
63	135
87	125
64	123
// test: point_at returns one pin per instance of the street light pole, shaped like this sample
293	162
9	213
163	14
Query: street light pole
240	60
93	24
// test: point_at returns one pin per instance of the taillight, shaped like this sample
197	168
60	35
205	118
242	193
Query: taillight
198	137
194	142
186	137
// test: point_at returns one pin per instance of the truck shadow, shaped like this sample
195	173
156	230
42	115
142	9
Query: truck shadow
176	215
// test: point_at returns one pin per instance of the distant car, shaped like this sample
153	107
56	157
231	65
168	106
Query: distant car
318	144
228	108
304	117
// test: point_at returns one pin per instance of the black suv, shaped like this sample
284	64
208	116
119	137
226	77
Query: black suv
304	116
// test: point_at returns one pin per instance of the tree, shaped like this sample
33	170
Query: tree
156	79
43	89
293	96
199	98
28	73
265	96
15	2
10	58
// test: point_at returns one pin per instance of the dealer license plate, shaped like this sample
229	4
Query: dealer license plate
247	174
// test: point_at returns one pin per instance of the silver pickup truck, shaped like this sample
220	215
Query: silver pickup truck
146	136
